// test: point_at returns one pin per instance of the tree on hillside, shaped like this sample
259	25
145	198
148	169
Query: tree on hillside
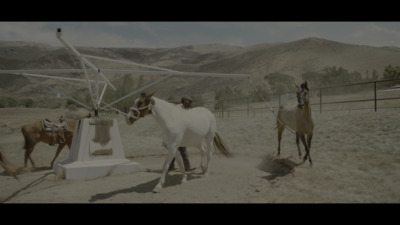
224	94
258	91
375	75
391	72
28	103
280	83
333	75
124	87
313	78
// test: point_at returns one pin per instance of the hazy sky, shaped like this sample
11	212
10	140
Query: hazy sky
174	34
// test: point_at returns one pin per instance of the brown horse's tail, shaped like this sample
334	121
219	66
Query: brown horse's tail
27	137
5	164
221	146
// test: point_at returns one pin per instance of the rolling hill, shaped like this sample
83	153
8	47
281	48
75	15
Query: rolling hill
292	58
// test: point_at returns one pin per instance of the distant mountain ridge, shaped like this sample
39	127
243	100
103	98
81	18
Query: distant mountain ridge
292	58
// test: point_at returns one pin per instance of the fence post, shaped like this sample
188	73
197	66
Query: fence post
320	101
375	96
248	106
279	100
222	108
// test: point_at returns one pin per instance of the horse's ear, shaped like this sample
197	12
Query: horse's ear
304	85
142	95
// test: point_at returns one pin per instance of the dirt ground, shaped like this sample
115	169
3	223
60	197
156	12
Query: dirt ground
355	154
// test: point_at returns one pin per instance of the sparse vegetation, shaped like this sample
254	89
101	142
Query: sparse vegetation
391	72
334	75
271	62
73	105
8	102
28	103
255	95
229	92
124	87
280	83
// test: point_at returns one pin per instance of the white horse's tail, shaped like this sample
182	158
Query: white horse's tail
221	146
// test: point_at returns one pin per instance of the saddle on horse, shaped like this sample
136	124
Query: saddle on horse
59	126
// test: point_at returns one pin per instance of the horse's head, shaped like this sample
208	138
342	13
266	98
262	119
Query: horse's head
302	95
141	107
89	115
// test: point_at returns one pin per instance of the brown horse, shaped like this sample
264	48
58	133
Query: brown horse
34	133
299	119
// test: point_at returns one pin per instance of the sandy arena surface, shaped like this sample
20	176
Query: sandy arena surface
355	154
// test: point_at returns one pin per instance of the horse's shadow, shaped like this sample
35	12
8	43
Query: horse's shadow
36	169
147	187
23	170
30	185
277	167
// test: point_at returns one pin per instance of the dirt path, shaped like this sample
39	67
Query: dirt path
356	160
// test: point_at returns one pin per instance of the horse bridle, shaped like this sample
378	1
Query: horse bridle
148	107
300	100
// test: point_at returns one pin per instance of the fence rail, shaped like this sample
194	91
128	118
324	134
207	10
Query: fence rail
322	97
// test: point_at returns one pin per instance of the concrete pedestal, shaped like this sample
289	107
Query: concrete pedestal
96	151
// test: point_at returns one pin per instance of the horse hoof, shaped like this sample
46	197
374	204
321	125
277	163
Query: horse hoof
204	173
157	189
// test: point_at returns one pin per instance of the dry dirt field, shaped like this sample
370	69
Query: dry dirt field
355	154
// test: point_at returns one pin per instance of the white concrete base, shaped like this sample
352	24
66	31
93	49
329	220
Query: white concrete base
96	151
96	169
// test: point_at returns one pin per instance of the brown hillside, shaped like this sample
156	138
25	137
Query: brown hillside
292	58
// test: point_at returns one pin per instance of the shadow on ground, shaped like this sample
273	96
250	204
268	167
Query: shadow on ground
147	187
28	186
277	167
22	170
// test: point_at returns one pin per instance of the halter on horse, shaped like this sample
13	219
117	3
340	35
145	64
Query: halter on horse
195	127
298	118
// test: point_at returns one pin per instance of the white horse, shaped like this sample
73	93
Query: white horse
299	119
194	127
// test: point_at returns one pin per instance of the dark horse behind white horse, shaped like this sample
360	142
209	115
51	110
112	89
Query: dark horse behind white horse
298	118
195	127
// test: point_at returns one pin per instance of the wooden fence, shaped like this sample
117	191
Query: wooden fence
364	95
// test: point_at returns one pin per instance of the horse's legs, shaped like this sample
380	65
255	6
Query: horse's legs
309	137
209	147
179	160
202	148
303	139
297	142
28	151
172	150
280	130
60	147
29	143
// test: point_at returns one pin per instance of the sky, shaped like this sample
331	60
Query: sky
144	34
